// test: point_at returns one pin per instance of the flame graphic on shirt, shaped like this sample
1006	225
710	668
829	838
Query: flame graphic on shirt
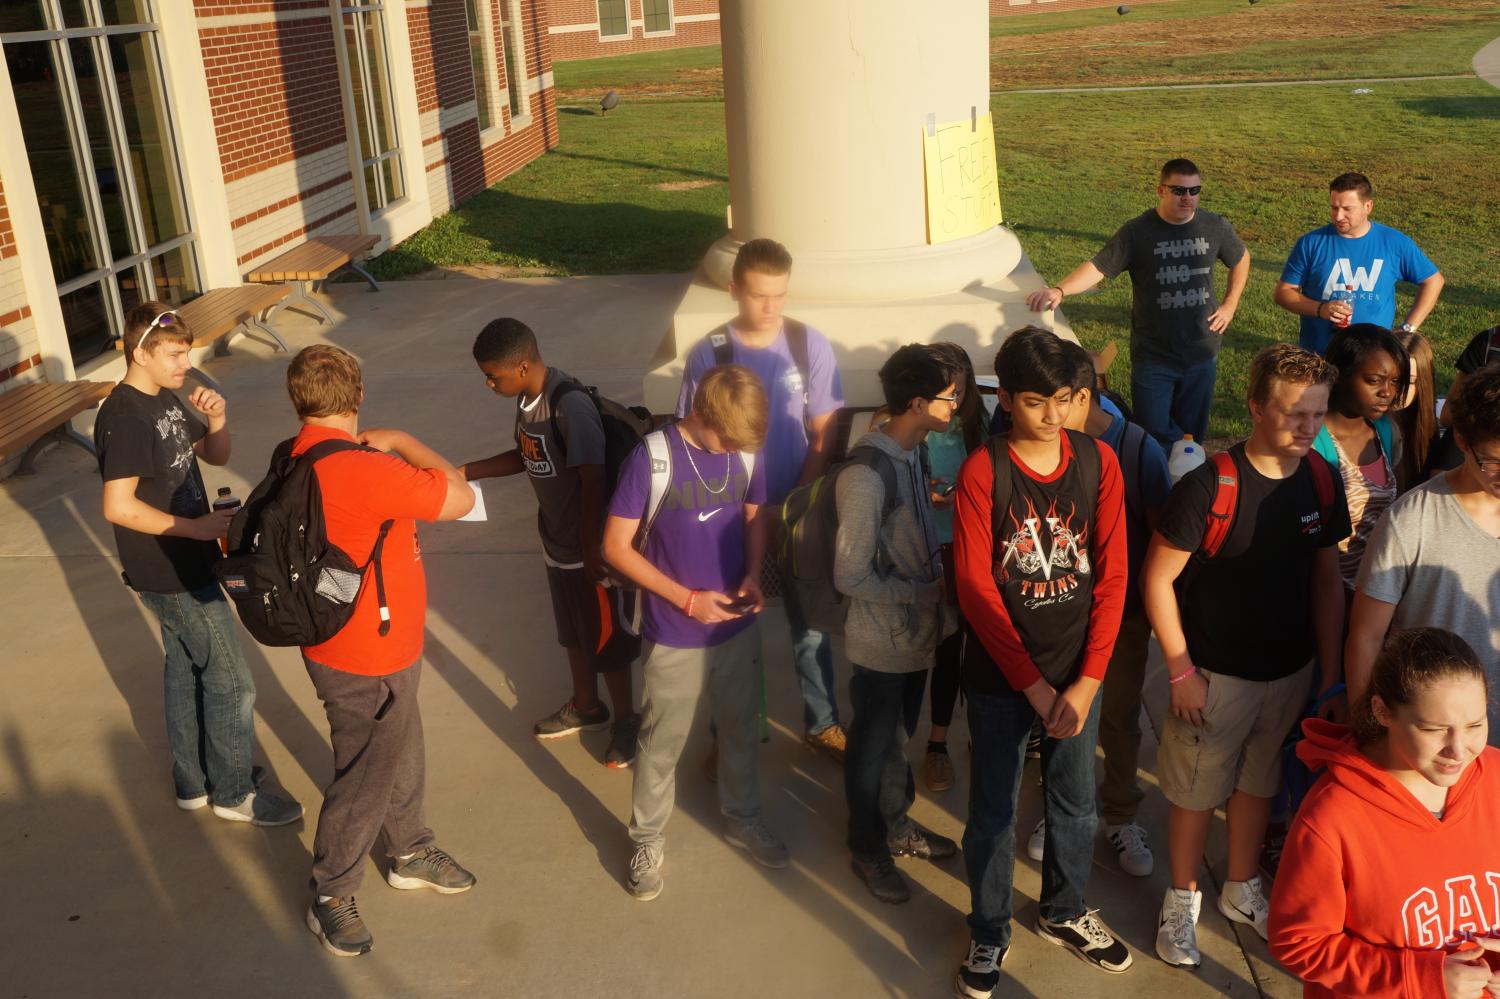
1024	548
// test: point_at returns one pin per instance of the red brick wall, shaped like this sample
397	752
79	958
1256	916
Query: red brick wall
7	235
588	44
19	352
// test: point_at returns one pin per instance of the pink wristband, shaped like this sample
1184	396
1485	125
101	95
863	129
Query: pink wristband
687	608
1183	675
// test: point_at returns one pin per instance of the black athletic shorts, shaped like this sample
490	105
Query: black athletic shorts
592	618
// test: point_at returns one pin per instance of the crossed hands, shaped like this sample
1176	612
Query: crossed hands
1062	714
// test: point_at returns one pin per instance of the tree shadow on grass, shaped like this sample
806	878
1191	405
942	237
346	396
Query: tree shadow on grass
1461	108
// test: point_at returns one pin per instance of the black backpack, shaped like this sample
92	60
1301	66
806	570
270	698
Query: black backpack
810	527
290	585
624	426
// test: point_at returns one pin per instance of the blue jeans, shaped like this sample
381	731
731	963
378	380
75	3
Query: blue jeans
1170	401
812	655
877	778
999	727
210	697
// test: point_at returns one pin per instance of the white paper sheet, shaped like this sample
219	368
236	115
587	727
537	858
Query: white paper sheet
478	512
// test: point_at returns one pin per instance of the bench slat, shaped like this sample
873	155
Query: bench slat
219	312
314	260
59	406
18	405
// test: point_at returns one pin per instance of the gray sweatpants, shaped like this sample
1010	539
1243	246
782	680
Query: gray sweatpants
379	773
674	680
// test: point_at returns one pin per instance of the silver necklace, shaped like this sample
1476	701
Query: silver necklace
728	456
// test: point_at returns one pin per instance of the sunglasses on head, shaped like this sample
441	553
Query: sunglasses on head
1179	190
168	320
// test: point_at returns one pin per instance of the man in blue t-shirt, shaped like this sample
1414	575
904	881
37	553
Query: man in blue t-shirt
796	367
1346	271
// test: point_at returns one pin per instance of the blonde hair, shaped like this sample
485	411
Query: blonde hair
138	322
324	380
731	402
1288	363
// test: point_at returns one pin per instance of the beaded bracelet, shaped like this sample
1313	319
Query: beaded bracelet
687	608
1183	675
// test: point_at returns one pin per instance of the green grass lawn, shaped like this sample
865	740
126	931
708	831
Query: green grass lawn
644	189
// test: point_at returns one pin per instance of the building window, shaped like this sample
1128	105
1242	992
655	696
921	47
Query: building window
370	95
658	16
480	64
515	62
92	100
614	19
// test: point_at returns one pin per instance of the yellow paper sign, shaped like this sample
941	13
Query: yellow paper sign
963	184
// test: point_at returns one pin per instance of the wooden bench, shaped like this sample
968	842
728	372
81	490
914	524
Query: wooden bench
307	266
215	317
35	415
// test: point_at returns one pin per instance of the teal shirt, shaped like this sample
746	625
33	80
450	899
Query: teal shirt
946	454
1323	443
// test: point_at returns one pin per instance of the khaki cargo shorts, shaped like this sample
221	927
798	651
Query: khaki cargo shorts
1245	723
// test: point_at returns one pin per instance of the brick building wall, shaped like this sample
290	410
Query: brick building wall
20	353
274	87
574	28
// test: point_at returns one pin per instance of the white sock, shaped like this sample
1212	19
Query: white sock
324	899
406	858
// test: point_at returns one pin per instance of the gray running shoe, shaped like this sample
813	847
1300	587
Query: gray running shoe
432	868
338	925
262	808
758	841
644	881
567	720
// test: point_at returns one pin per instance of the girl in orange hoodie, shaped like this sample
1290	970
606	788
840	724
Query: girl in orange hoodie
1390	883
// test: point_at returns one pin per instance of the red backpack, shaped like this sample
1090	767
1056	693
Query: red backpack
1226	502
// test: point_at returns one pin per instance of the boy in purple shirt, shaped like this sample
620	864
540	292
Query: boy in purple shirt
795	366
699	489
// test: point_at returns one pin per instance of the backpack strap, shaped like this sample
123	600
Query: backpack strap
1132	461
796	342
1000	488
747	458
1322	475
1090	466
659	454
1492	349
1225	503
561	389
722	345
884	465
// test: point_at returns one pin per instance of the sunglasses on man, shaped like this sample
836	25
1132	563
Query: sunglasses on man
1181	191
168	320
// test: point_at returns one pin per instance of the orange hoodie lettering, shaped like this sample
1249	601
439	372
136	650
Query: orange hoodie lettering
1457	913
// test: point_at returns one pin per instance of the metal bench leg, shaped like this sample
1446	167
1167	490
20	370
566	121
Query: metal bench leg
302	291
221	345
64	434
263	323
354	266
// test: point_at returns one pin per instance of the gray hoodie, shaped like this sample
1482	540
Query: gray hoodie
891	572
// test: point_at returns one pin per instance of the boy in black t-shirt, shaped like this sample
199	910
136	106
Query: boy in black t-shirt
561	449
1041	582
149	446
1240	630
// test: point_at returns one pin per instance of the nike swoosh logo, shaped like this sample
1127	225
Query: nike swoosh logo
704	516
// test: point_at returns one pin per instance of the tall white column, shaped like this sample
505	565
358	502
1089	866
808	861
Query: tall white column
825	102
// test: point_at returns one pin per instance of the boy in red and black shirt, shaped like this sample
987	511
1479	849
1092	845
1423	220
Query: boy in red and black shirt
1039	545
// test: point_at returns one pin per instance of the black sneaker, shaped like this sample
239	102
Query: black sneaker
568	719
980	972
883	880
621	752
338	925
1090	939
924	845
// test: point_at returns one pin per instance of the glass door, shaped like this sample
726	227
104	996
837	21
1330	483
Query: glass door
370	95
92	99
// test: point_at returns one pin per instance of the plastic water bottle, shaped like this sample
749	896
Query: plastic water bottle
226	501
1345	293
1187	455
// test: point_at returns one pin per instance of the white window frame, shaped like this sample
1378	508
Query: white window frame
397	153
486	27
599	24
671	21
511	25
110	265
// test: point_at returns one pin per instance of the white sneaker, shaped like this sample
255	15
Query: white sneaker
1177	929
1129	841
1036	846
1244	902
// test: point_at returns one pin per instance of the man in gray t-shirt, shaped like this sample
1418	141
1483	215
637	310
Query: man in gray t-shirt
1434	559
1176	321
560	445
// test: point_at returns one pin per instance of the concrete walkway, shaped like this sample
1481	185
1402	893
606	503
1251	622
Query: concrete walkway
113	891
1487	63
1241	85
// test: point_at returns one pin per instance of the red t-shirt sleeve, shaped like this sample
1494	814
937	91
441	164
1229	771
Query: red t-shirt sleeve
974	561
1111	572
